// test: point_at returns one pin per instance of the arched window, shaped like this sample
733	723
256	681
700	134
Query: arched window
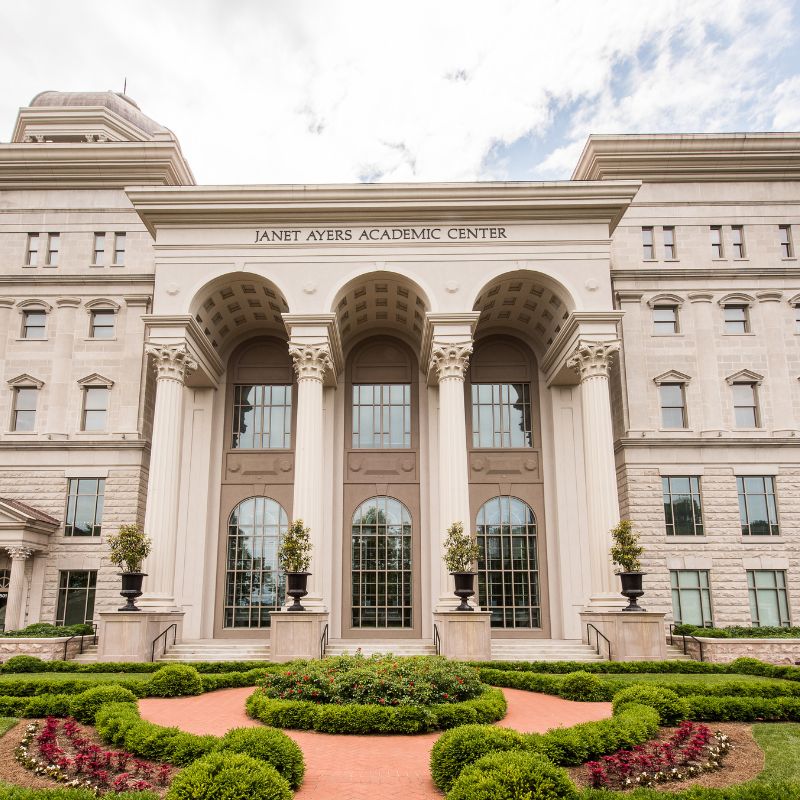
254	584
508	565
381	564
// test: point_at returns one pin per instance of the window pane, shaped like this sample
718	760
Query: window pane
94	421
262	417
381	416
501	415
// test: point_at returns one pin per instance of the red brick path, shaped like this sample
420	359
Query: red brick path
362	767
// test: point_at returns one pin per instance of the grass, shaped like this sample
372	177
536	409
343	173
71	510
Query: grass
102	677
7	723
688	679
780	742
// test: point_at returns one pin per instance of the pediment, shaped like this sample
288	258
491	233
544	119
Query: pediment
673	376
744	376
26	380
19	513
96	379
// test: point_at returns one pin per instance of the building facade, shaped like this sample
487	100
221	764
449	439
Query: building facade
534	360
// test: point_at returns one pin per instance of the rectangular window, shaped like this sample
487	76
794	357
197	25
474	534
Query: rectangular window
53	241
787	248
797	318
262	417
648	249
736	319
769	606
682	506
501	415
665	320
84	507
745	405
691	597
76	590
737	234
717	250
99	254
758	510
32	251
119	249
103	322
673	405
670	251
34	324
381	415
95	408
24	416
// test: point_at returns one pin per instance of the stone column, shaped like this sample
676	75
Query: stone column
6	304
707	365
172	363
16	586
62	365
779	381
311	362
449	361
592	361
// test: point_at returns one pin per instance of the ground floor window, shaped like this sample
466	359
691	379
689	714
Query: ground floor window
768	603
381	564
508	565
254	584
691	597
76	590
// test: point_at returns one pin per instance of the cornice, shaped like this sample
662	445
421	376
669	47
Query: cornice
65	444
420	203
659	158
700	442
38	279
675	274
578	320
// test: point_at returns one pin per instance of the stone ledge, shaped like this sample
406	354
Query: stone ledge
723	651
48	649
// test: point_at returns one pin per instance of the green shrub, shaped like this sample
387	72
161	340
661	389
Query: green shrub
229	776
85	705
511	776
270	745
175	680
582	686
671	708
44	630
23	664
739	632
8	792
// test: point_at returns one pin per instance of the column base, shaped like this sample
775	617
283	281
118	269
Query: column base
158	603
464	635
295	634
606	601
129	635
634	635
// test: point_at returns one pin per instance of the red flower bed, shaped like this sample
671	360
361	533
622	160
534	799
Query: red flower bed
693	748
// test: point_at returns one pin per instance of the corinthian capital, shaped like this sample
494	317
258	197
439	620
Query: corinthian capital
172	362
19	552
593	359
311	361
450	359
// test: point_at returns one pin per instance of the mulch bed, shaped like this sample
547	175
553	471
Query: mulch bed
743	763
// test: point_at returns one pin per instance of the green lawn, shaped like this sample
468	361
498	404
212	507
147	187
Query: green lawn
780	742
102	677
7	723
687	679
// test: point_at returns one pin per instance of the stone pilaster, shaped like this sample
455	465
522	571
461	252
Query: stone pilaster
62	365
707	363
779	381
16	586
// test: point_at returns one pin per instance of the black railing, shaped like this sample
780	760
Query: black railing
80	636
597	637
684	636
174	629
437	640
94	638
323	641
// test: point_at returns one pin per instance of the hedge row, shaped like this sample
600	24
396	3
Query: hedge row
739	632
8	792
21	664
356	718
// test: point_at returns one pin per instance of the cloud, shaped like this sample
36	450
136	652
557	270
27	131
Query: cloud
351	90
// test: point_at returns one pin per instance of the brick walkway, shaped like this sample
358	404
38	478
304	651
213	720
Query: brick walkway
362	767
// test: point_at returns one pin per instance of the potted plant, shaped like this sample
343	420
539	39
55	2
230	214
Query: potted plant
460	554
294	557
625	554
128	549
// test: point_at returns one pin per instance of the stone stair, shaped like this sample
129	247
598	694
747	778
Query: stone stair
397	647
675	653
217	650
88	656
542	650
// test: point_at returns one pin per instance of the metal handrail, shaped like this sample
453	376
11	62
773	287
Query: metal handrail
82	636
94	638
174	629
437	640
683	636
323	641
598	636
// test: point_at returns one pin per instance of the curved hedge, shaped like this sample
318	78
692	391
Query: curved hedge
269	745
489	706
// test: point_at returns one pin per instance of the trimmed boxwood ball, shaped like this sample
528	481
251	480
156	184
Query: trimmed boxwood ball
23	664
582	686
270	745
176	680
85	705
671	708
513	776
229	776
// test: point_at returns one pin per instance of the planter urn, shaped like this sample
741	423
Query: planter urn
632	589
465	587
296	587
131	589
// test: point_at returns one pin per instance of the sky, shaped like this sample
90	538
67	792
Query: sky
318	91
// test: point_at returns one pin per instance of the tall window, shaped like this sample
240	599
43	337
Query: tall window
119	249
85	499
381	547
76	590
737	240
254	584
745	405
381	415
648	248
717	250
34	324
665	320
785	238
23	417
691	597
758	511
673	405
508	564
32	250
262	417
103	324
670	250
682	505
95	408
99	254
53	242
797	317
501	415
736	319
768	602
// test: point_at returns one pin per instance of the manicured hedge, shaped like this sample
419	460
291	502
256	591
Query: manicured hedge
18	793
85	705
739	632
356	718
44	630
269	745
19	664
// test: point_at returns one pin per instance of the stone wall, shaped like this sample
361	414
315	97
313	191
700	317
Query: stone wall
723	651
46	649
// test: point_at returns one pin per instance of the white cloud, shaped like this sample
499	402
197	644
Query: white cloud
337	90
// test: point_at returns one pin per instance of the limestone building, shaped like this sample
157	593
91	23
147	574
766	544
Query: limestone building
533	359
